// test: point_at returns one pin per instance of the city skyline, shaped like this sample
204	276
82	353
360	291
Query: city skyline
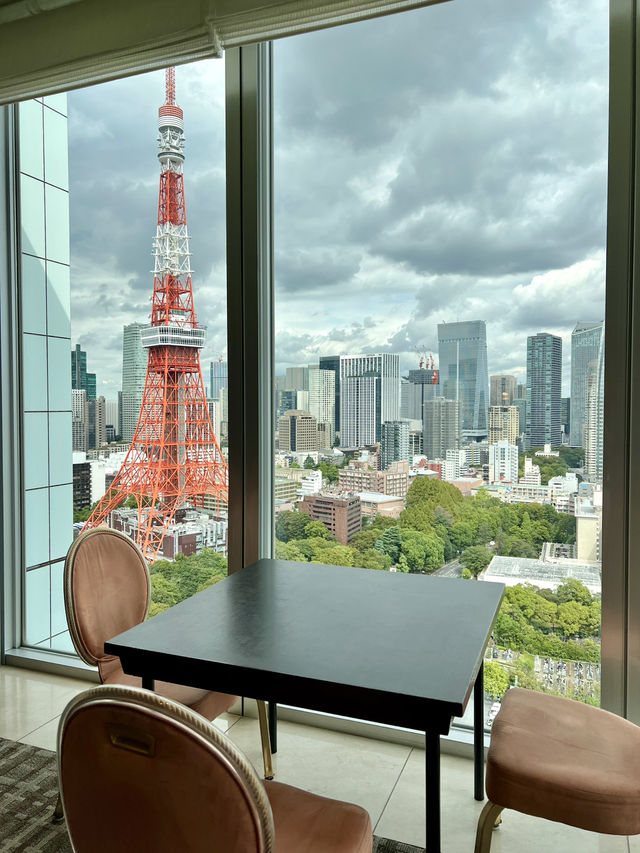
441	196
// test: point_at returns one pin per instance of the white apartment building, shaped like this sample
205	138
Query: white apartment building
531	476
503	462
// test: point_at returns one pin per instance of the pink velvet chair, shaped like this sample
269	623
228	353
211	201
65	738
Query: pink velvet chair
562	760
107	590
140	772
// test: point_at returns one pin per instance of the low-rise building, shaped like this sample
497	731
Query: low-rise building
545	574
340	514
375	503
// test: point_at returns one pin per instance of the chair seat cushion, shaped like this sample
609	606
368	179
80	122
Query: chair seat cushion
307	823
208	703
565	761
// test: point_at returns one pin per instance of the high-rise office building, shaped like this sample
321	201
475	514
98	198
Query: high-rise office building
297	378
503	462
79	420
218	378
594	416
112	416
369	396
97	425
420	385
585	345
463	372
297	430
80	379
504	424
395	442
544	381
134	371
565	415
322	399
332	362
440	431
503	390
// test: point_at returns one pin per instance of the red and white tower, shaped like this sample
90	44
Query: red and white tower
174	459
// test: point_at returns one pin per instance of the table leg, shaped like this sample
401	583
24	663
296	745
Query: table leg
478	735
273	726
148	683
432	767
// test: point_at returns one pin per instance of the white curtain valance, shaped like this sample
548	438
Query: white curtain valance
50	46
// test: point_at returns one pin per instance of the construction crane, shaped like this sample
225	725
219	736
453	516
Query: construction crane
426	358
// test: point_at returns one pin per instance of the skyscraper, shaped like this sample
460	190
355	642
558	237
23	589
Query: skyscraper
463	372
369	396
440	430
503	424
544	381
322	399
134	371
585	344
332	362
420	385
97	426
503	390
219	377
80	379
395	442
594	416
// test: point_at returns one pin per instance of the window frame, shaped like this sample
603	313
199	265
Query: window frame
249	153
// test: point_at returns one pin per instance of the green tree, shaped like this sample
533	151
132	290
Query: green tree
461	534
466	574
372	559
422	551
496	680
309	464
573	590
290	525
390	543
317	528
476	558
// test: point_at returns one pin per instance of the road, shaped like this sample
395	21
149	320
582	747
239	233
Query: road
452	569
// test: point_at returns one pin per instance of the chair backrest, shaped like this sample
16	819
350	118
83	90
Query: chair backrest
106	590
140	772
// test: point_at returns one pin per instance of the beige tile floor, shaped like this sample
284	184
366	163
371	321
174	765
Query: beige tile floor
387	779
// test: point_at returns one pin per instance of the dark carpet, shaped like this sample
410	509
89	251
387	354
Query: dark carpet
28	794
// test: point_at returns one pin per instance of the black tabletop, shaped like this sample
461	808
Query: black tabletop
390	647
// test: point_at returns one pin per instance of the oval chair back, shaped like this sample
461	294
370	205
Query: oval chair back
140	772
106	592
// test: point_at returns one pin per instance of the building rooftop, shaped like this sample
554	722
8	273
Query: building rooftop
515	570
377	497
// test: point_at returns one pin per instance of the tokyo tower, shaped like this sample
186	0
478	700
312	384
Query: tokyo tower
174	459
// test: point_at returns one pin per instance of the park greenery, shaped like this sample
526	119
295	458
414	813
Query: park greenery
172	582
440	525
553	466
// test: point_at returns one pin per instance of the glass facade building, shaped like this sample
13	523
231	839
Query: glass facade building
544	382
462	349
585	345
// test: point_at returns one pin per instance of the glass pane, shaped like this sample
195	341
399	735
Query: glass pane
36	526
34	306
31	152
32	215
440	216
87	389
57	218
56	164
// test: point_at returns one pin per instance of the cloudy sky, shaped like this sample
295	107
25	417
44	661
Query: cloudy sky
438	165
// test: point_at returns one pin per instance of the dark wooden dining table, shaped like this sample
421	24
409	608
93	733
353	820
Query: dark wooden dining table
400	649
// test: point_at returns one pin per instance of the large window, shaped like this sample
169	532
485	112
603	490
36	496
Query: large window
440	215
95	241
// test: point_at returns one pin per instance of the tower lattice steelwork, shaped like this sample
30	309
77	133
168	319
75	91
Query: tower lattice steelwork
174	459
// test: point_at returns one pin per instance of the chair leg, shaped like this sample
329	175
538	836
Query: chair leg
487	822
264	736
58	813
